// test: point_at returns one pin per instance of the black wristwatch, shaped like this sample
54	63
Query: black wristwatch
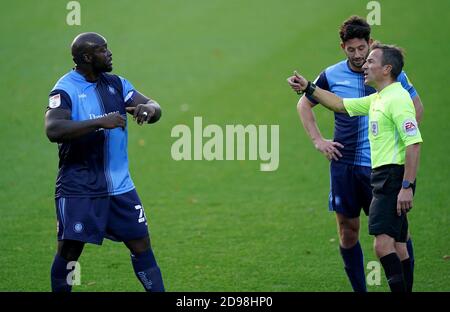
406	184
310	88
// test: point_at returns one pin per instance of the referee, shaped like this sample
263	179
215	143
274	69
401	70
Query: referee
394	141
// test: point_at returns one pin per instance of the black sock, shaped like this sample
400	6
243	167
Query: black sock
408	274
393	270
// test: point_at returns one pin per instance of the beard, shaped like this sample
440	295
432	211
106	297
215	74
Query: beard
357	63
103	68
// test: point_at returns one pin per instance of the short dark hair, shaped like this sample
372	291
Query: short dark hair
392	55
354	27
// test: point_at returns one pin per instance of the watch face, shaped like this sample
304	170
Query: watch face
406	184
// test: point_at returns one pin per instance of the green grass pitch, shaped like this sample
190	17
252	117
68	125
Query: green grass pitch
220	225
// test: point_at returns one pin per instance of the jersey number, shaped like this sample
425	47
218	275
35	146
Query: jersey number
141	213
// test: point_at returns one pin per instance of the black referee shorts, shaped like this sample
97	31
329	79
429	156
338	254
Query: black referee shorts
386	183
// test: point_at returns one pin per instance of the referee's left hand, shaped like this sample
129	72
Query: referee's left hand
404	201
297	82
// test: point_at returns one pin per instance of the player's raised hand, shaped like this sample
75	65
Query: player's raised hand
297	82
142	112
113	120
329	148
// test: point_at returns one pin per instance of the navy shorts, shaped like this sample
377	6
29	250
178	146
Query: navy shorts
350	189
90	219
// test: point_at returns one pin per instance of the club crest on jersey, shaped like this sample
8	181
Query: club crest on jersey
78	227
111	90
410	127
374	127
54	101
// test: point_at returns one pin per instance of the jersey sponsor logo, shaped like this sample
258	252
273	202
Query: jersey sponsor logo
410	127
82	96
54	101
78	227
345	82
374	127
94	116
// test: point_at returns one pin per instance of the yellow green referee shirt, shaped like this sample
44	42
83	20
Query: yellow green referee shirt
392	123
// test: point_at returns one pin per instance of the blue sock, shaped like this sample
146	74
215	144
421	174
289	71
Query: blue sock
409	246
59	273
354	267
147	271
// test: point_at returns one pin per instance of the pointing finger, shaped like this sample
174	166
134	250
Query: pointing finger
130	109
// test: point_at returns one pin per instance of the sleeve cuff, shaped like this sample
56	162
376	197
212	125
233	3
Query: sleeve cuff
413	141
346	103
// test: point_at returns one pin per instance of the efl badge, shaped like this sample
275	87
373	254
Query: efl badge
410	127
54	101
374	127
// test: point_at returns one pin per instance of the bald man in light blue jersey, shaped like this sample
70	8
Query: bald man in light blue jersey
95	196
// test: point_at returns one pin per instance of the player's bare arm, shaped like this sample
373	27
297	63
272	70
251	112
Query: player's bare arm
327	147
144	109
59	127
419	108
405	196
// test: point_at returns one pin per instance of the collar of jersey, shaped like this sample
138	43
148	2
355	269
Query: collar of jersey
389	88
79	77
350	69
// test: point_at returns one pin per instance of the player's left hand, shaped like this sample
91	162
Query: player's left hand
142	112
404	201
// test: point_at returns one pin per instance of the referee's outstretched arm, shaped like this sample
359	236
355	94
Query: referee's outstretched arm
326	98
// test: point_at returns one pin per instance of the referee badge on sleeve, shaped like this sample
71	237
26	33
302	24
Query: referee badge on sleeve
54	101
410	127
374	127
